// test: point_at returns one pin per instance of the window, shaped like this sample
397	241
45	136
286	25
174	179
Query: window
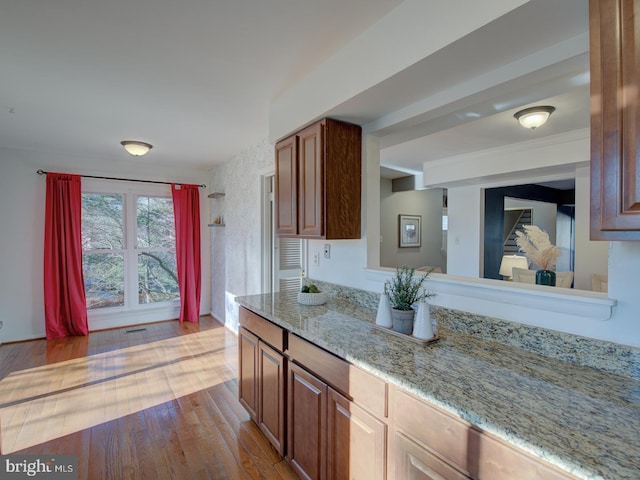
128	243
156	250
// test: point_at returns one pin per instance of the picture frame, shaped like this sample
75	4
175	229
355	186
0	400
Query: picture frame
409	231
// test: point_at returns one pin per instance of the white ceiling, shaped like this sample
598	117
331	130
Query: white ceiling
192	77
535	55
195	78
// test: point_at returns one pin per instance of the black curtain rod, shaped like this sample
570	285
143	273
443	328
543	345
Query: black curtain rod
202	185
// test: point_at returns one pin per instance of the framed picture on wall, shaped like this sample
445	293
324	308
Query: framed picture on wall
409	230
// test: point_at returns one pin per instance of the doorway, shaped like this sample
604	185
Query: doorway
282	257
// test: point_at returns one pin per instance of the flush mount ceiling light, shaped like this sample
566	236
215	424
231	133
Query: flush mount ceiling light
136	148
534	117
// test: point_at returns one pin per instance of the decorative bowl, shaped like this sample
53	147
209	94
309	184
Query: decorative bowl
319	298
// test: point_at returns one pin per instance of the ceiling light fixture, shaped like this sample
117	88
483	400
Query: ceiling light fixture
136	148
534	117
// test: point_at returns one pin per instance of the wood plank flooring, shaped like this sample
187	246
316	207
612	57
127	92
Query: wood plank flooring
157	403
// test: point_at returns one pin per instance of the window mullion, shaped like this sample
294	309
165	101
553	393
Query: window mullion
131	262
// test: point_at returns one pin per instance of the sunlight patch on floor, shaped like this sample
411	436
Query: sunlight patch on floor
40	404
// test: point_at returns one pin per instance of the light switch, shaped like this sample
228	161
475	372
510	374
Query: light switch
327	250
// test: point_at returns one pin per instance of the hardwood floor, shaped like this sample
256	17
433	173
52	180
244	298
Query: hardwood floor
159	402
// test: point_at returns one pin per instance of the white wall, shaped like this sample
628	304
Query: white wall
624	285
426	203
590	256
236	258
465	238
22	204
544	215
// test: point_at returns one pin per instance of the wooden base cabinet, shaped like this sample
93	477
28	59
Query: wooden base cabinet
356	441
429	443
414	461
333	430
307	419
248	372
329	436
261	386
262	376
271	395
332	420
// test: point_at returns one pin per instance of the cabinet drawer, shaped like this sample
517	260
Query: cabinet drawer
415	462
440	432
472	451
363	388
267	331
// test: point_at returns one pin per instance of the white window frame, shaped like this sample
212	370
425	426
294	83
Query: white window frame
130	191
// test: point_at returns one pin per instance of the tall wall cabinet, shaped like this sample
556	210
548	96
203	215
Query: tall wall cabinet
615	119
318	182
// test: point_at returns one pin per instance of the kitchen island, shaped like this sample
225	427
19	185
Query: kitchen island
582	420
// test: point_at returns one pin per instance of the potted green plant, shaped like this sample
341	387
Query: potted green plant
404	290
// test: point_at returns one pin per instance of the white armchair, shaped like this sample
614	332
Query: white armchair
523	275
599	283
564	279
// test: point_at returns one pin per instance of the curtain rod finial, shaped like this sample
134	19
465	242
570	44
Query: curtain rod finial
41	172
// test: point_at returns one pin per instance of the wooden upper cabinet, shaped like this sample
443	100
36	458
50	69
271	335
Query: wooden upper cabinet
310	177
318	182
615	119
287	186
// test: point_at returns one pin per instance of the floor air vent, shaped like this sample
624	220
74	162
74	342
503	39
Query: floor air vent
135	330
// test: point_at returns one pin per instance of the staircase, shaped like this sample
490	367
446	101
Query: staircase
514	221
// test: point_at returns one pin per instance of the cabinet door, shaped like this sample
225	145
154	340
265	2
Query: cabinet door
415	462
287	187
271	395
307	418
356	441
248	372
615	115
311	181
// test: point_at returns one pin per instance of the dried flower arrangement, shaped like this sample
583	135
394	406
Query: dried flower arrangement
535	244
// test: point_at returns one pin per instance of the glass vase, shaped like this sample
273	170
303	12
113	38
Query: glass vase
546	277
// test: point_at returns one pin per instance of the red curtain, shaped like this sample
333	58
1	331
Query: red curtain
65	308
186	210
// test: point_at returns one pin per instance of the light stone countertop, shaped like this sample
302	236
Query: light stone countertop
583	420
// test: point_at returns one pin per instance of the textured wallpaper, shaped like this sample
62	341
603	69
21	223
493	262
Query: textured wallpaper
236	247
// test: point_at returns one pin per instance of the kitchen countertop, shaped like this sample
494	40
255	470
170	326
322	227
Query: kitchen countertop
583	420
